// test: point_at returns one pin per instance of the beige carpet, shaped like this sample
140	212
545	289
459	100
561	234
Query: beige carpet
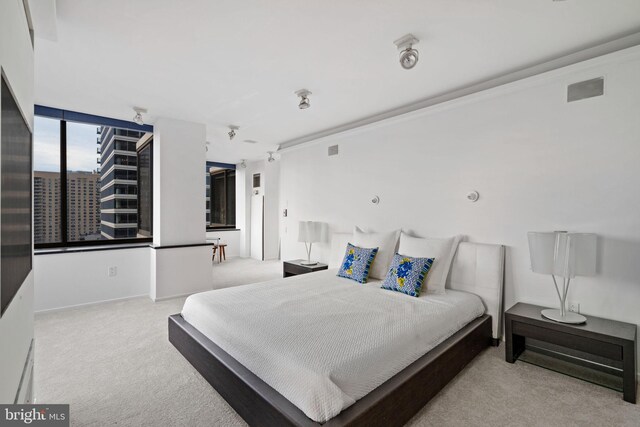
112	362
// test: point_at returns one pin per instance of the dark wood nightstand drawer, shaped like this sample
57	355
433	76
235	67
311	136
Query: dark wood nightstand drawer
599	348
295	267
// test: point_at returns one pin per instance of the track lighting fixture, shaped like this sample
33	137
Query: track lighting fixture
137	119
270	159
408	55
232	132
243	164
304	98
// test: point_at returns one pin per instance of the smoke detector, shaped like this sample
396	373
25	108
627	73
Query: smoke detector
232	132
408	55
304	98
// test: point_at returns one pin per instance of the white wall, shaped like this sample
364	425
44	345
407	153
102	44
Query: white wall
538	162
270	184
69	279
178	185
179	216
241	211
16	324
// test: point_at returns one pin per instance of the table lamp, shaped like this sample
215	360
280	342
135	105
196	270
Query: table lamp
564	255
311	232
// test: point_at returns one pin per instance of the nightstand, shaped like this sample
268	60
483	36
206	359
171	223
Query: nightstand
294	267
601	351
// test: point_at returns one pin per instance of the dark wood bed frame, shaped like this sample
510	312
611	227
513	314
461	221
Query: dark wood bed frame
391	404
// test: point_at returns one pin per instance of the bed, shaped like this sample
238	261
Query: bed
321	350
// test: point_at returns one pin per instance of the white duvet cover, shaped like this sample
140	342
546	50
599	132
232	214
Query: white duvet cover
322	341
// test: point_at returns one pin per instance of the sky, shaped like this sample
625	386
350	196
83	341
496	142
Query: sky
81	146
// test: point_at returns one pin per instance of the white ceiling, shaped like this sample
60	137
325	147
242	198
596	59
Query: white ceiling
239	62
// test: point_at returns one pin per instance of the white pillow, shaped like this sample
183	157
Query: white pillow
442	250
338	246
386	244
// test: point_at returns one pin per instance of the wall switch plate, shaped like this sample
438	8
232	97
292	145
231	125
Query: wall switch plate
574	307
113	271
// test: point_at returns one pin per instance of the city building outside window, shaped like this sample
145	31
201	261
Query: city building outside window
86	180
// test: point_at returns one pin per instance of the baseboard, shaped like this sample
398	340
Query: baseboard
68	307
176	296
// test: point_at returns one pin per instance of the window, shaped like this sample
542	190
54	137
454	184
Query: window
221	198
86	179
46	181
145	186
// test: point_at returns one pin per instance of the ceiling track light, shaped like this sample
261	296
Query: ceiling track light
243	163
137	119
271	159
232	132
408	55
304	98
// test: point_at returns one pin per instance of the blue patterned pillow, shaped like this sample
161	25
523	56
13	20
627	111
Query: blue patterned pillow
407	274
356	263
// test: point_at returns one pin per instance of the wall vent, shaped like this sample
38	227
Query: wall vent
333	150
256	180
585	89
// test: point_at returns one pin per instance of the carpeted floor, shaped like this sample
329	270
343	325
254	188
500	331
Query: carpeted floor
112	362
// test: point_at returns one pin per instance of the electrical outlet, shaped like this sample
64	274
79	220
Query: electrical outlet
574	306
113	271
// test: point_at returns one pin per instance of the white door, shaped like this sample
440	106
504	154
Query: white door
257	226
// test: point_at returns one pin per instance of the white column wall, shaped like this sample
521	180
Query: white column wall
178	210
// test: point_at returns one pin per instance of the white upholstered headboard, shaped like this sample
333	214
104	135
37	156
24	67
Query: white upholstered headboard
478	268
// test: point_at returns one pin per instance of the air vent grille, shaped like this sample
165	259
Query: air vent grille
585	89
333	150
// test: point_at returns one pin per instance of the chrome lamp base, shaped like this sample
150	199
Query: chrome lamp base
308	262
568	317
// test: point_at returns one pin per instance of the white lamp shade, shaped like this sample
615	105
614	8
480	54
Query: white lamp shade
312	231
563	254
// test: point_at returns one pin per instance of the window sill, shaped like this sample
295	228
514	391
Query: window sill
64	250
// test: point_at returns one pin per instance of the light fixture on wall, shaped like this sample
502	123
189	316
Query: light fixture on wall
232	132
408	55
137	119
304	98
271	158
243	164
565	255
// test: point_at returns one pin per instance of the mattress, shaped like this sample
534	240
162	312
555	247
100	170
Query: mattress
322	341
